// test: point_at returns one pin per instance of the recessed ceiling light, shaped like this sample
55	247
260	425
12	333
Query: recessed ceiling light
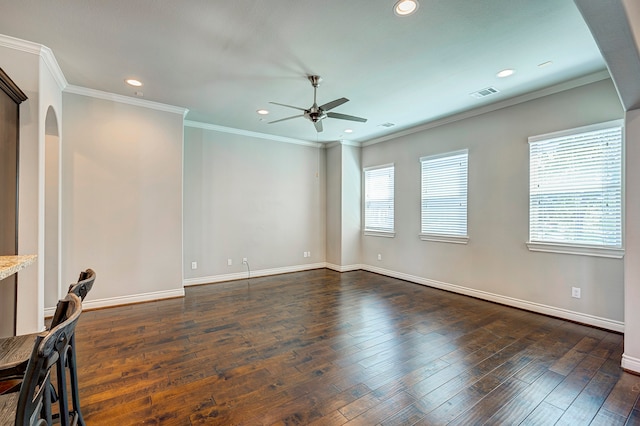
505	73
262	112
405	7
133	82
348	130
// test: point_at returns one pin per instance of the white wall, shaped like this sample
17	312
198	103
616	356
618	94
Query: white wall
344	182
334	206
496	260
254	198
351	205
22	67
122	199
52	290
631	357
50	122
24	62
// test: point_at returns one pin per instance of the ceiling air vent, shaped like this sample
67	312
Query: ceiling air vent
386	125
484	92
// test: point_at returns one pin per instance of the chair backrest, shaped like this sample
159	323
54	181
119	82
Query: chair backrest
84	284
33	401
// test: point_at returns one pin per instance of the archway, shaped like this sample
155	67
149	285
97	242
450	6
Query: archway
52	272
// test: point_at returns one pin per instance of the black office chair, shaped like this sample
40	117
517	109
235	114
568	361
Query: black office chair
32	404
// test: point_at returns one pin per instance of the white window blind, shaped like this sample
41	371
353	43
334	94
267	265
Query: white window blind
575	194
444	194
379	198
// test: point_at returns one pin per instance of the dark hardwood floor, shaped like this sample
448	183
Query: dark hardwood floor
325	348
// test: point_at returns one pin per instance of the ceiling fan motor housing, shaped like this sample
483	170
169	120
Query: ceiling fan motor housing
316	113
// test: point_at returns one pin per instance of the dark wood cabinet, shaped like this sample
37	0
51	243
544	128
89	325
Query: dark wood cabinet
10	98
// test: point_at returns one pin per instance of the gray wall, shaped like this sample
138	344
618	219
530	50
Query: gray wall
260	199
334	205
496	260
344	177
631	357
253	198
122	198
351	205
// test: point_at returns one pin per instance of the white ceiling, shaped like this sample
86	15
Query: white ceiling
223	60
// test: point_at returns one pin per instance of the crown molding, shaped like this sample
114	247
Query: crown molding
19	44
342	142
93	93
350	143
561	87
54	68
232	130
44	52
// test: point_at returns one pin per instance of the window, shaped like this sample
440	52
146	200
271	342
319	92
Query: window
444	197
575	191
378	200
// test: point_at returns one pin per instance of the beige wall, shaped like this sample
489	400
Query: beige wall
496	260
344	182
254	198
122	194
122	198
334	205
351	206
631	357
27	68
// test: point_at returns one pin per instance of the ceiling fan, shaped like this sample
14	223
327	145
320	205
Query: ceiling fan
318	113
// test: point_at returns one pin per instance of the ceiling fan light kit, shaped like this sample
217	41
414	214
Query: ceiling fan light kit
316	113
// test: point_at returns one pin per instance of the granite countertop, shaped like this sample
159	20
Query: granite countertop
9	265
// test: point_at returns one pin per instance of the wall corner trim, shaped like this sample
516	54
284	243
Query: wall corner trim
630	363
51	63
344	268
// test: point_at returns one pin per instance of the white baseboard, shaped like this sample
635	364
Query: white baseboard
580	317
124	300
345	268
630	363
258	273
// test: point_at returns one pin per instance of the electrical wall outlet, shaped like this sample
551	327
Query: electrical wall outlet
244	260
575	292
194	265
229	262
304	254
379	256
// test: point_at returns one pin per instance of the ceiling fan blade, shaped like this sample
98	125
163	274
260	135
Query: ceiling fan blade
288	118
288	106
318	125
331	105
346	117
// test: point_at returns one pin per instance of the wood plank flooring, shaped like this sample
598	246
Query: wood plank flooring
356	348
